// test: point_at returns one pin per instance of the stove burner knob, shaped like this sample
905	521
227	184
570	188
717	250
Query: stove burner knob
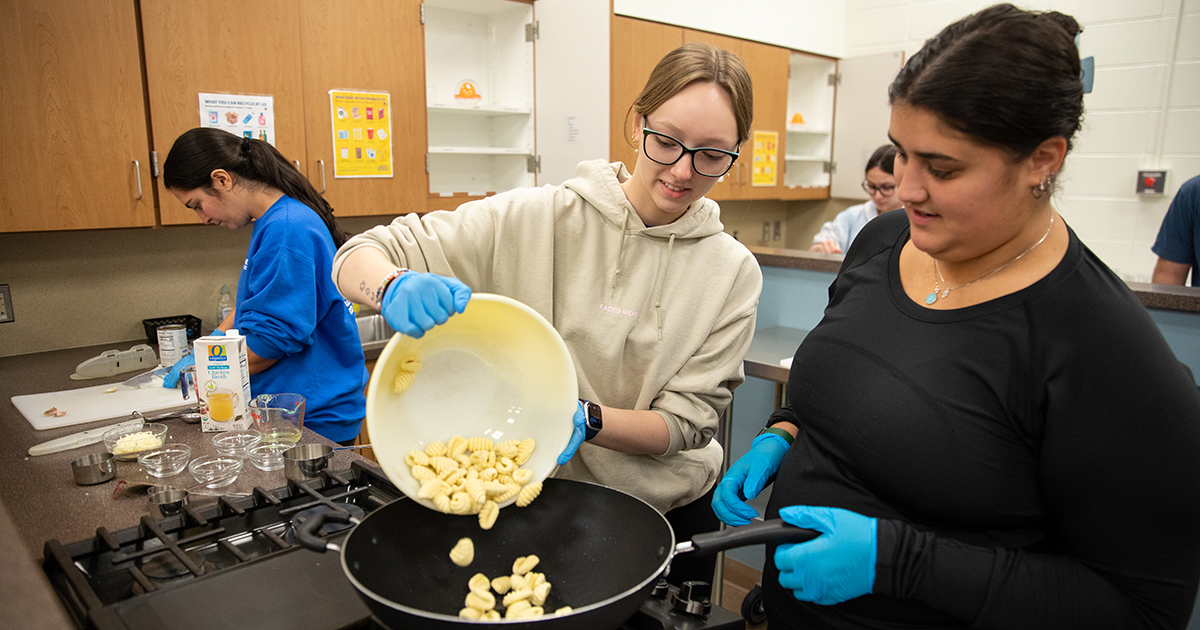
660	590
692	598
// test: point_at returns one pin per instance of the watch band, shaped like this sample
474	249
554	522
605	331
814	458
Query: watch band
593	420
780	432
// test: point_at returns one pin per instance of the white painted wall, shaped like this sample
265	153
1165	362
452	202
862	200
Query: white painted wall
816	26
1144	112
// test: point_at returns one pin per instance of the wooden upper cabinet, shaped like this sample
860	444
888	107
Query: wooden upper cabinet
768	67
369	46
74	120
220	46
637	46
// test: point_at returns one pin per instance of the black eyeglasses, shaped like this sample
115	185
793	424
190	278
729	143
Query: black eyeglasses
706	161
886	190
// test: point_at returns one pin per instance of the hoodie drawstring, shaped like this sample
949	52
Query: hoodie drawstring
662	285
621	252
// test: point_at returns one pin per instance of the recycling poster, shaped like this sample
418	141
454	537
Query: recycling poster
362	133
245	115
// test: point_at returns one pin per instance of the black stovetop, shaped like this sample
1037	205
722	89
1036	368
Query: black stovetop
236	564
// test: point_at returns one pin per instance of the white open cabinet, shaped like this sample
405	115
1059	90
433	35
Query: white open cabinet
811	86
863	116
483	144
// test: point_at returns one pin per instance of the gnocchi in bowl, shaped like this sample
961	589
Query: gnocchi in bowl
498	370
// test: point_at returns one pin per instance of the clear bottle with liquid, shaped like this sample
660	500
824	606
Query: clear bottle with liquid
225	304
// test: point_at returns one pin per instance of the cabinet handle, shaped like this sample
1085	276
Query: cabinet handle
137	169
322	163
297	163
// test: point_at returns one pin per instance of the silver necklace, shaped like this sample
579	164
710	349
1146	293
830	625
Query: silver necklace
939	280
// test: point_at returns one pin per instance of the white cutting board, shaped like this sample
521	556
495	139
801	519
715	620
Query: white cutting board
89	404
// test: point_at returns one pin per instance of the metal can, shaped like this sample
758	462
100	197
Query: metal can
172	344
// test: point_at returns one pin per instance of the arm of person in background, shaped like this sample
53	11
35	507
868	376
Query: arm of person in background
834	236
826	239
1175	244
1168	272
254	362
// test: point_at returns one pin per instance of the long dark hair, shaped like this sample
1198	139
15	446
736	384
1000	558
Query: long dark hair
1007	77
200	151
884	159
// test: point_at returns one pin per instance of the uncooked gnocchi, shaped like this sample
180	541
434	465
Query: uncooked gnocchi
474	475
529	493
463	552
409	366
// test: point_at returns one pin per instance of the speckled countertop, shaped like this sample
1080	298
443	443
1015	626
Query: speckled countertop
39	493
1157	296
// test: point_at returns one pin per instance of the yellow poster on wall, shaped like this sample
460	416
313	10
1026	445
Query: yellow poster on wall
766	158
362	133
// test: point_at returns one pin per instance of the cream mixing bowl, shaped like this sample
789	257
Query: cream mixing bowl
497	370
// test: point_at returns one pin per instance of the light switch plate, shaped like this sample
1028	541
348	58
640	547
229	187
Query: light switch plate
6	309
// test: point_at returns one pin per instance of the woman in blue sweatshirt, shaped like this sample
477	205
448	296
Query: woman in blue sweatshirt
300	332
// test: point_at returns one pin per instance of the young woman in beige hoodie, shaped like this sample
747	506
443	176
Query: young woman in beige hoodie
654	301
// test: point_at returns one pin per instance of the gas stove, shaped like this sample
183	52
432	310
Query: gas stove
237	564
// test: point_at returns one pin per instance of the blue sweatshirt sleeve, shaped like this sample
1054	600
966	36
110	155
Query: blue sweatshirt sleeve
281	312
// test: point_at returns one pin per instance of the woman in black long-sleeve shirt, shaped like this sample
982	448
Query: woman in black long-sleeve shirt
994	431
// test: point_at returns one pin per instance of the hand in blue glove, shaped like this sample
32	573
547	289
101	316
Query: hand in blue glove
416	302
171	380
747	477
834	567
577	435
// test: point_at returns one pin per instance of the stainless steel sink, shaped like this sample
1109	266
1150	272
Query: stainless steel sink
372	329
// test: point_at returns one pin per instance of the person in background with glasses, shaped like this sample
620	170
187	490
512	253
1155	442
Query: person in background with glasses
655	302
880	185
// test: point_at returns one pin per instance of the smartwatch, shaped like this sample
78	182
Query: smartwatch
593	420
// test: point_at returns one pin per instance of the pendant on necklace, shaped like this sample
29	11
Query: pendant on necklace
931	298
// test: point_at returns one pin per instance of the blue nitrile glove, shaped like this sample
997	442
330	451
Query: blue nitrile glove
834	567
746	478
416	302
171	380
577	435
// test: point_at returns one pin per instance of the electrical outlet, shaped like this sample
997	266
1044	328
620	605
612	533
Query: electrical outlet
6	309
778	234
766	231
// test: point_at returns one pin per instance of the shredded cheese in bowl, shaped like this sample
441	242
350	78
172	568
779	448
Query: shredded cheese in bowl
136	442
125	443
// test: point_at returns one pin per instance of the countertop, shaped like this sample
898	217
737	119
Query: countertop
39	493
1156	296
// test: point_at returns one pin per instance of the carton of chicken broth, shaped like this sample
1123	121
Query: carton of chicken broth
223	382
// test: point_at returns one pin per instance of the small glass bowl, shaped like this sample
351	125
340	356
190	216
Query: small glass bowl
223	468
268	455
236	443
129	450
166	460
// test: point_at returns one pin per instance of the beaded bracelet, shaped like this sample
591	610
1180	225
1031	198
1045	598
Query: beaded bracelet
780	432
387	280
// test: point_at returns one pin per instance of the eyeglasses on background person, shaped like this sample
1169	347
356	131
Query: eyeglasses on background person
706	161
886	190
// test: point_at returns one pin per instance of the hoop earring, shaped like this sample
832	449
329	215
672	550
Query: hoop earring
1044	187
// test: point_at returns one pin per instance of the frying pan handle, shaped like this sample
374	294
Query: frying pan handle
772	531
306	532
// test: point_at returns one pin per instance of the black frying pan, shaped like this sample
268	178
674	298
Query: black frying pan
601	549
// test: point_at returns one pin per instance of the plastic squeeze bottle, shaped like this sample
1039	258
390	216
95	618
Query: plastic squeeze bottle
225	304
